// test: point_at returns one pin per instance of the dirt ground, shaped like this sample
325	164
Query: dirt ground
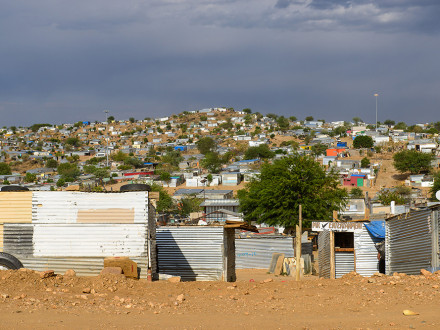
256	301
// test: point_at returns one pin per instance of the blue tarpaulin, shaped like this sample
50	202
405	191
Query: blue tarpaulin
376	228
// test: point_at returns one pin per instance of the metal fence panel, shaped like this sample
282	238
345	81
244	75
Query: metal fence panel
408	243
257	252
194	253
366	253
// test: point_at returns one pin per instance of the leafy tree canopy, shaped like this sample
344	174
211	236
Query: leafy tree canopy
206	144
274	197
36	127
68	171
212	162
5	169
51	163
412	161
309	118
363	141
262	151
365	162
319	149
356	192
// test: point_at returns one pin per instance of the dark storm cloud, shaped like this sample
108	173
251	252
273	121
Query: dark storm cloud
69	60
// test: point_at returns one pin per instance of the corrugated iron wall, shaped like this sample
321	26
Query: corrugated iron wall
89	240
408	243
18	239
16	207
257	252
366	253
194	253
1	237
324	253
73	230
80	207
344	263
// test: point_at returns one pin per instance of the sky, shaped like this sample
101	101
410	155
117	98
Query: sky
67	61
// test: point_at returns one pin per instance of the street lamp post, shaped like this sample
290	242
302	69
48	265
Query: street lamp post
106	137
376	95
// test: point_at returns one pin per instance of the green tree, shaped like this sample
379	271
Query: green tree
356	192
365	162
400	125
68	171
132	120
30	177
293	118
73	141
363	141
274	197
262	151
400	195
110	119
51	163
283	123
188	205
319	149
206	144
247	110
309	118
357	120
165	202
212	162
412	161
389	122
5	169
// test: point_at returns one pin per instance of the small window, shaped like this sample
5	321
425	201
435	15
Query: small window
344	240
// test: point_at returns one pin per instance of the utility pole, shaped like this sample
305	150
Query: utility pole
106	136
298	245
376	95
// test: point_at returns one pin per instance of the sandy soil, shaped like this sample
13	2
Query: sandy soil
256	301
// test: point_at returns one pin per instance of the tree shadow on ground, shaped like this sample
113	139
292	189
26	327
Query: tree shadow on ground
400	177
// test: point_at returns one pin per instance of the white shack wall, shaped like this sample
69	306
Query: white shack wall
74	207
89	240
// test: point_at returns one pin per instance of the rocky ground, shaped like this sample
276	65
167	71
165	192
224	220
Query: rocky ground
257	301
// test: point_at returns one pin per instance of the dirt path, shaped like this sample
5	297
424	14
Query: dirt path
255	301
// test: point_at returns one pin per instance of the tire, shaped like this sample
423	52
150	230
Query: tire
14	188
8	261
135	187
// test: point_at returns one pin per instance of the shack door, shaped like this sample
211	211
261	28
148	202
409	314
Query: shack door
344	253
360	182
324	253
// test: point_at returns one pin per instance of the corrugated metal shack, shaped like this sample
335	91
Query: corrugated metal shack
256	252
350	245
201	253
412	241
77	230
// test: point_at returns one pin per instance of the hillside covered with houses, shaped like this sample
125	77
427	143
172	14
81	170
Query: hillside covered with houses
198	160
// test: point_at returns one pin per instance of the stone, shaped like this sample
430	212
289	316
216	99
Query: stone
425	272
70	272
47	273
180	298
111	270
370	280
128	266
174	279
267	280
87	290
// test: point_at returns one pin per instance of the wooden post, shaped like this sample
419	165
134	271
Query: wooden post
332	255
298	245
